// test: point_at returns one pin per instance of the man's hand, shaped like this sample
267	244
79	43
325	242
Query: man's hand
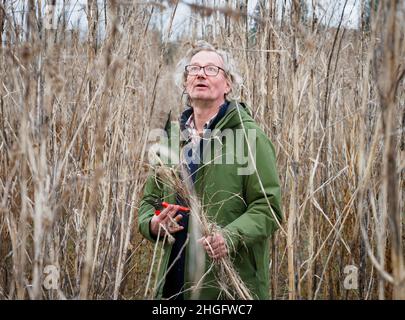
167	221
215	245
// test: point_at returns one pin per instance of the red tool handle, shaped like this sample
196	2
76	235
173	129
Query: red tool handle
165	204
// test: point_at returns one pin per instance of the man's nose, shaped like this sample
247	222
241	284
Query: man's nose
201	73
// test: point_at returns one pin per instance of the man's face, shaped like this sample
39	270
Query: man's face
201	87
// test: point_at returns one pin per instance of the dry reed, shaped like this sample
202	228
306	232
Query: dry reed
77	106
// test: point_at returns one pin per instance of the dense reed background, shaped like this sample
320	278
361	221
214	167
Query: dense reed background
77	107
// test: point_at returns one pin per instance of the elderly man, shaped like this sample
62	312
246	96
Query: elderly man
243	202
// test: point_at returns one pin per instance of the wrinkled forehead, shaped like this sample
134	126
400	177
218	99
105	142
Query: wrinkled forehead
204	58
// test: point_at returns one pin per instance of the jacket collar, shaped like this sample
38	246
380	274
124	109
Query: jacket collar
231	117
185	116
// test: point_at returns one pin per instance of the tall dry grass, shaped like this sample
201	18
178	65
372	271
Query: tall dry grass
76	112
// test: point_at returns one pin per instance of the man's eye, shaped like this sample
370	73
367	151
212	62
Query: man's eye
211	69
195	69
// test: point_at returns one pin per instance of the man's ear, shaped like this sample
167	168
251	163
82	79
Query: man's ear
229	86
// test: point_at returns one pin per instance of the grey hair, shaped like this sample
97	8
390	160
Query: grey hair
231	73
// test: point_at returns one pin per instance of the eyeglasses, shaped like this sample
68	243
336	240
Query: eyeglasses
210	71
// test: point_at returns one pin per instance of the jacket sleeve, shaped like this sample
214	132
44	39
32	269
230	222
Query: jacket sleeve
152	192
262	196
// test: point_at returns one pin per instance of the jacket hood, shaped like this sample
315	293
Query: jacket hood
237	113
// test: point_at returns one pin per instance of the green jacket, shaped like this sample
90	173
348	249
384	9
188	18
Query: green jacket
236	201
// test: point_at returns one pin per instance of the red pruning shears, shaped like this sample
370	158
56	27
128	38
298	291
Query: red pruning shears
163	204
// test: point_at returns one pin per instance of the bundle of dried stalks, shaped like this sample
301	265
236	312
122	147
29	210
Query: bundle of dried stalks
178	179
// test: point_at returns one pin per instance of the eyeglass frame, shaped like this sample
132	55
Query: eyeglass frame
203	67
